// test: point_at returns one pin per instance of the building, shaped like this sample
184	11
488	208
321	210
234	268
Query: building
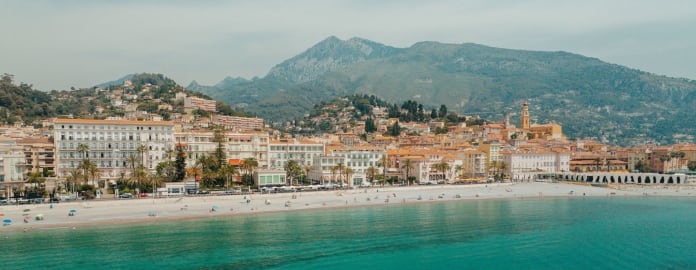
113	145
269	177
474	164
524	116
359	159
492	150
322	171
523	164
12	168
238	146
39	155
238	123
196	103
302	151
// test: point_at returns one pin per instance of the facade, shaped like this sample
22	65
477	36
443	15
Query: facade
282	150
196	103
321	169
359	159
12	165
111	144
238	123
39	154
474	164
269	177
238	146
492	150
522	165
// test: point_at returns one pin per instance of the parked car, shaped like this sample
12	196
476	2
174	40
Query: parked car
126	195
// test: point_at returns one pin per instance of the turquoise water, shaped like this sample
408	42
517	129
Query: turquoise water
618	233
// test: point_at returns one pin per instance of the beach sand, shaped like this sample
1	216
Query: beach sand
99	212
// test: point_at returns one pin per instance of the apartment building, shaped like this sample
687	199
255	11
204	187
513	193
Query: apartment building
359	159
12	167
39	155
523	164
236	123
302	151
238	146
110	144
196	103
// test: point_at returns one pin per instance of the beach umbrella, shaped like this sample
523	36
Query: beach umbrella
215	207
27	210
7	221
73	210
2	215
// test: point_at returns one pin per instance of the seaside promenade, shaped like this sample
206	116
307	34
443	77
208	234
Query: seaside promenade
103	212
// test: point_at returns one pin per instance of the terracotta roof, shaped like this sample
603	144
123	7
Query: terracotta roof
111	122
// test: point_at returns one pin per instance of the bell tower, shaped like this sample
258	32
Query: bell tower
524	117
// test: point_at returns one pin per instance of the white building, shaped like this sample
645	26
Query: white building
523	165
359	159
302	151
321	169
110	144
238	146
11	167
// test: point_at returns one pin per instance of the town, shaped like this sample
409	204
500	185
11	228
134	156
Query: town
143	153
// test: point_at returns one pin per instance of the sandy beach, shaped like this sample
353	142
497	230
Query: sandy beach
98	212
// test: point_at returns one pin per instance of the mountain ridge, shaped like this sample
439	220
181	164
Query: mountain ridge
591	98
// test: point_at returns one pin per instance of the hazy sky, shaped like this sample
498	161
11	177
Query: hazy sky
59	44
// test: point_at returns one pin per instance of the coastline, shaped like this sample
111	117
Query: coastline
148	210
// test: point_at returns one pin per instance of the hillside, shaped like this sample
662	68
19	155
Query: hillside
146	93
589	97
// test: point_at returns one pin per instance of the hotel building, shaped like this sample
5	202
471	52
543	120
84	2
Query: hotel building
110	143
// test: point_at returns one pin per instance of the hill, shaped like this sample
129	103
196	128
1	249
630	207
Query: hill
589	97
146	94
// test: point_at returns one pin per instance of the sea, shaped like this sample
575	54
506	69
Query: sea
548	233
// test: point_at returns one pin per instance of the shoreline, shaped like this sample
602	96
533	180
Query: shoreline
148	210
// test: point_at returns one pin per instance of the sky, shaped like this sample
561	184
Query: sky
63	44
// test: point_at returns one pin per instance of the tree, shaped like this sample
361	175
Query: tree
371	172
142	149
167	170
394	130
93	172
349	172
442	167
384	163
333	170
443	111
292	170
219	138
458	171
228	171
180	164
250	164
691	165
408	166
307	170
339	168
370	125
433	114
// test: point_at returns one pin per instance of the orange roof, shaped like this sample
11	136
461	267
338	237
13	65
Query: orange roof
237	162
110	122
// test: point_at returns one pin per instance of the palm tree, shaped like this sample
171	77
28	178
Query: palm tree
307	170
291	169
169	153
408	166
442	167
142	149
132	161
228	170
139	177
250	164
93	172
333	169
83	149
458	171
340	168
74	177
383	162
371	172
349	172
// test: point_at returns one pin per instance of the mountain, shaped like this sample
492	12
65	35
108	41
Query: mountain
118	81
589	97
